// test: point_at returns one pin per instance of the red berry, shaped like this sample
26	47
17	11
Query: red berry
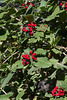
56	87
31	52
34	25
35	58
23	5
29	24
28	3
26	30
31	4
28	58
63	91
24	27
31	33
25	54
24	60
61	4
23	63
34	54
56	95
65	6
66	9
31	29
66	3
22	55
27	62
26	7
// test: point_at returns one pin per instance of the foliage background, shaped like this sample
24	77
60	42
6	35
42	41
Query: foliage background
36	80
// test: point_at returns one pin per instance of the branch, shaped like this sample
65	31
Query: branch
10	57
3	91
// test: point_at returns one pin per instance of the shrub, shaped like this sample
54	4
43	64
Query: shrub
33	50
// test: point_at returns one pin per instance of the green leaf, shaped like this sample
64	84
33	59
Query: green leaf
17	65
20	94
42	27
26	51
64	60
51	37
54	61
4	37
31	70
53	15
2	14
43	5
32	40
43	62
56	51
60	66
6	97
53	75
28	9
40	51
62	83
48	95
38	34
7	79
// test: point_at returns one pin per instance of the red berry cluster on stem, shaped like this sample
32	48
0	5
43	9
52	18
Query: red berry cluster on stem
26	6
30	28
26	59
58	91
61	4
33	55
66	6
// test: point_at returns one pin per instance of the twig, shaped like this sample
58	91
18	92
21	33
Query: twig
16	18
61	47
16	10
10	57
3	91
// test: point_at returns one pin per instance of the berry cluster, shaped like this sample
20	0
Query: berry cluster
33	55
61	4
26	6
26	59
29	29
58	91
66	6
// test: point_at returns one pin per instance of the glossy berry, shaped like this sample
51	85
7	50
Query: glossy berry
26	7
58	91
26	59
29	24
35	58
30	28
23	5
66	9
31	52
23	63
28	3
65	6
66	3
61	4
27	62
31	33
32	5
34	54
